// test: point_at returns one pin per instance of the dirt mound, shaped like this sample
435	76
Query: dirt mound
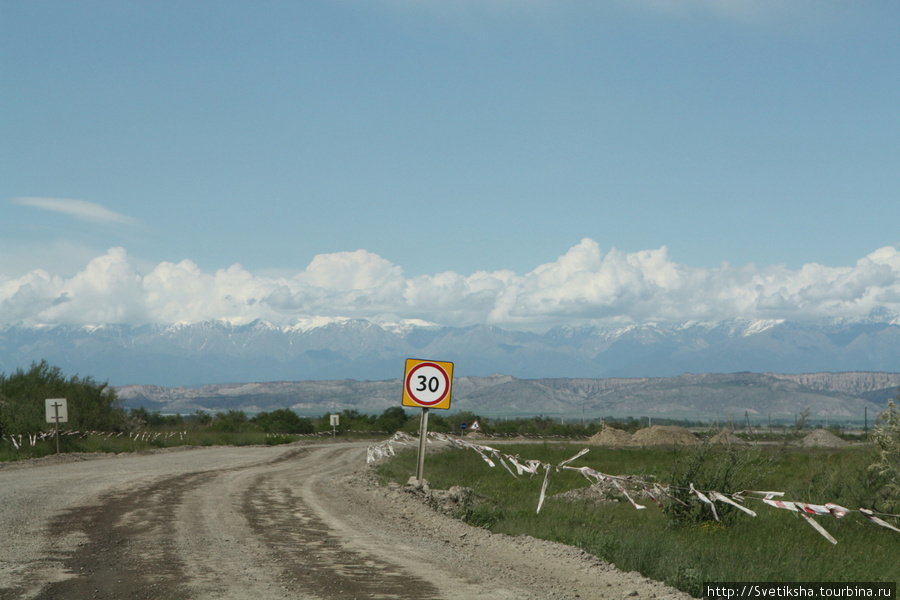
612	437
665	435
603	492
822	438
727	438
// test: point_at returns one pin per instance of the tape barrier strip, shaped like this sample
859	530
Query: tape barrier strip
870	515
818	527
624	493
653	496
544	487
705	500
579	455
717	497
386	448
531	467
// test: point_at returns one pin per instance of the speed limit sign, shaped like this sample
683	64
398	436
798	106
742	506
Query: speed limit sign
427	383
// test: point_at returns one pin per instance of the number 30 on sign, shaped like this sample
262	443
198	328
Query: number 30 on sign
427	383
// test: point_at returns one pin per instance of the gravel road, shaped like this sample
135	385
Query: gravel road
263	523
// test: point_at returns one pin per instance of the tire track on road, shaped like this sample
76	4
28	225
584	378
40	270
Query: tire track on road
229	533
126	552
314	559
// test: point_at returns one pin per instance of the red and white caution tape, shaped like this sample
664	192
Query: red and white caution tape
705	500
386	448
544	487
870	515
717	497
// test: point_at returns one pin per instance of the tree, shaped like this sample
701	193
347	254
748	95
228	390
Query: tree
91	405
886	468
283	420
232	421
392	419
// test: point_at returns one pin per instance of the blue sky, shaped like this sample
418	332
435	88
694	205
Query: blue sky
524	163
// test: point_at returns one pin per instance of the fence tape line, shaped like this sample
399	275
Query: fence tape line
652	496
544	487
717	497
519	467
818	527
506	466
531	467
386	448
579	455
705	500
615	481
870	515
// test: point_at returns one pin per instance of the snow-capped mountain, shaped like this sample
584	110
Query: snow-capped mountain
218	352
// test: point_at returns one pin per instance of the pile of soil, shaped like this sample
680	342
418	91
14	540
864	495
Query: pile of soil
603	492
822	438
665	435
450	502
611	437
726	437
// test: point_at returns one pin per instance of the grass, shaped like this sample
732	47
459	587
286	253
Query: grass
775	546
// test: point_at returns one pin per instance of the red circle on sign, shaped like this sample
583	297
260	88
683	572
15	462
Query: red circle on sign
413	393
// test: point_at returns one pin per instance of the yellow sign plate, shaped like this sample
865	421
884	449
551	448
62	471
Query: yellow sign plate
427	383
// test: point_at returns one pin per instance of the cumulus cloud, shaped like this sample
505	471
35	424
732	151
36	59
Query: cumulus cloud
80	209
584	286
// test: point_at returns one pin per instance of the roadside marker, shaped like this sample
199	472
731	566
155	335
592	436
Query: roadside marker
427	385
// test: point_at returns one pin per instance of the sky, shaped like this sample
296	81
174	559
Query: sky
525	164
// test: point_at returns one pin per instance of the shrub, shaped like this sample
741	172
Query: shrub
283	420
708	467
886	468
91	405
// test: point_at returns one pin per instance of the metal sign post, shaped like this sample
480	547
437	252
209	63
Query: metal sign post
423	433
426	384
57	412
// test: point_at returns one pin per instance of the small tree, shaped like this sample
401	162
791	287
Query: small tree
392	419
232	421
91	405
283	420
886	468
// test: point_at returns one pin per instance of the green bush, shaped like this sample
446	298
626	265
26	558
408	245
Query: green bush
886	467
283	420
232	421
708	467
91	405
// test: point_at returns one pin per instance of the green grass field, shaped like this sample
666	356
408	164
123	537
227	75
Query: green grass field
689	549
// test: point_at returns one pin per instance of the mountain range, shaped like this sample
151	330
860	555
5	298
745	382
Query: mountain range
841	369
757	398
219	352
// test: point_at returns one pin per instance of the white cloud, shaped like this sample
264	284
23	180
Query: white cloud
80	209
585	285
347	271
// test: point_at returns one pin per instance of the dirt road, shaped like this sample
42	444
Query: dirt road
263	523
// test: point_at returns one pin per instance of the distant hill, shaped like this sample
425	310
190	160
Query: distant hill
836	397
339	349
